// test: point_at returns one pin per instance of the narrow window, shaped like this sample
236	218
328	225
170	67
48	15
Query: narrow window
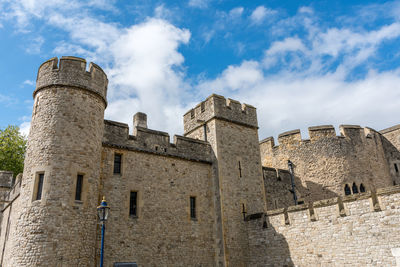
192	114
362	188
355	189
240	170
347	190
396	168
193	207
202	106
133	204
79	183
117	163
39	186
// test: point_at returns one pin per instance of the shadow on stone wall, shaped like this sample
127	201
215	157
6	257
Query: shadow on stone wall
279	194
269	247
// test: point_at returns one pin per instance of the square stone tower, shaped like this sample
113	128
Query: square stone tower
232	130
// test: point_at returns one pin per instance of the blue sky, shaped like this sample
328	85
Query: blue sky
301	63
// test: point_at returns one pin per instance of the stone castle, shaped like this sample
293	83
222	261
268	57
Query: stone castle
216	196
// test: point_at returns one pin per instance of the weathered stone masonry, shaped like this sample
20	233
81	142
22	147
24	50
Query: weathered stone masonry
243	213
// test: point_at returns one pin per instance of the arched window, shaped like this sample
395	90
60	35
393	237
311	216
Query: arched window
362	188
347	190
355	189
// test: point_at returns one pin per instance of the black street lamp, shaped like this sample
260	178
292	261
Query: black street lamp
102	212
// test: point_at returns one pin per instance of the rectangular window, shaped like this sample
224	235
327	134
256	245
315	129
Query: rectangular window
117	163
133	204
396	168
39	186
193	207
79	183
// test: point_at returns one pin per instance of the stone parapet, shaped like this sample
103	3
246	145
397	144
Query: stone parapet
6	178
156	142
71	72
218	107
349	205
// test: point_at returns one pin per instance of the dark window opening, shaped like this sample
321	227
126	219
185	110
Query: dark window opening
300	202
347	190
192	114
133	204
117	163
362	188
396	168
240	170
79	183
193	207
40	186
354	188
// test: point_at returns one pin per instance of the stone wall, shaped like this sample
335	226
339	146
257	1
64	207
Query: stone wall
64	141
393	135
278	187
162	234
358	231
391	143
8	211
231	130
218	107
324	163
155	142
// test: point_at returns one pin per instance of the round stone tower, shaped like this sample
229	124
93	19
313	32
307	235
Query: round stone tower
56	224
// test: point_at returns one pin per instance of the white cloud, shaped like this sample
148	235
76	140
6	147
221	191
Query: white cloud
301	81
35	45
24	128
304	80
146	74
198	3
28	82
236	12
260	14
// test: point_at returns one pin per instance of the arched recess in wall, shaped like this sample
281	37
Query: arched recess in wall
362	188
347	190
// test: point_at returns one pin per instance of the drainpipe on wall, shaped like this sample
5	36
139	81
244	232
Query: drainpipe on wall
293	191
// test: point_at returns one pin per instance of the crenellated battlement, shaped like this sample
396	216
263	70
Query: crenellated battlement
218	107
354	133
117	135
71	71
384	199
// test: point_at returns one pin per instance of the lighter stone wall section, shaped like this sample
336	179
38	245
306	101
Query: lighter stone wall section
358	237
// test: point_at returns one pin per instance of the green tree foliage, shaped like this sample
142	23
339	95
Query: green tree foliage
12	149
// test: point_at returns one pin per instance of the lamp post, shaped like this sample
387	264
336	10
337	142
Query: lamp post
102	212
